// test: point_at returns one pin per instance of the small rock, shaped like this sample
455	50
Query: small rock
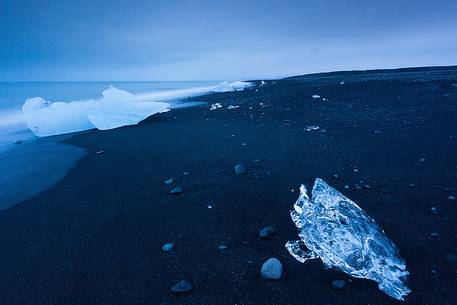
335	176
338	284
182	287
271	269
169	181
346	186
422	160
17	142
209	206
356	170
176	190
451	197
434	210
222	247
266	232
168	247
240	169
451	257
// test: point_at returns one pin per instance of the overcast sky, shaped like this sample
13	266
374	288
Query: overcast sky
216	40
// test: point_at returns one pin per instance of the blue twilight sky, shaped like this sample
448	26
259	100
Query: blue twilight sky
214	40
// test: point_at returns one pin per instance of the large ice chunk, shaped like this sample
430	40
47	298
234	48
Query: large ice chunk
117	108
120	108
336	230
47	119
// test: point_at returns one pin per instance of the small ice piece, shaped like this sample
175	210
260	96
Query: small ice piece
316	96
168	247
215	106
170	181
231	107
263	83
342	82
336	230
311	127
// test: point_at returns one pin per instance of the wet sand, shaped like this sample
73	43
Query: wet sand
96	236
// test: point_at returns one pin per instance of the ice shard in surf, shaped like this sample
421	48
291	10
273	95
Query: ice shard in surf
336	230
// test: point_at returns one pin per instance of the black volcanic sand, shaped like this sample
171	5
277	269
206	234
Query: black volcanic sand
96	237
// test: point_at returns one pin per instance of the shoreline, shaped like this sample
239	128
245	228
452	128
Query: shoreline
96	236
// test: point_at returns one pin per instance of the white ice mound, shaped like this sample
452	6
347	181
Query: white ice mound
117	108
47	119
120	108
336	230
231	86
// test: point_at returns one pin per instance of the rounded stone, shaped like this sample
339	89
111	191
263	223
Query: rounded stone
168	247
338	284
271	269
176	190
182	287
240	169
266	232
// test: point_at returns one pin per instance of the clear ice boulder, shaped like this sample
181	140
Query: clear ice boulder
335	229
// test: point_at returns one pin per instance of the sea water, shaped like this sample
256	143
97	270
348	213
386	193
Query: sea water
29	164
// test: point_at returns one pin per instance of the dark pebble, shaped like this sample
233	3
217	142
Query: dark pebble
182	287
240	169
266	232
338	284
176	190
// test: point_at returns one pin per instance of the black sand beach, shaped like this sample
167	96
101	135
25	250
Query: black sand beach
96	236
